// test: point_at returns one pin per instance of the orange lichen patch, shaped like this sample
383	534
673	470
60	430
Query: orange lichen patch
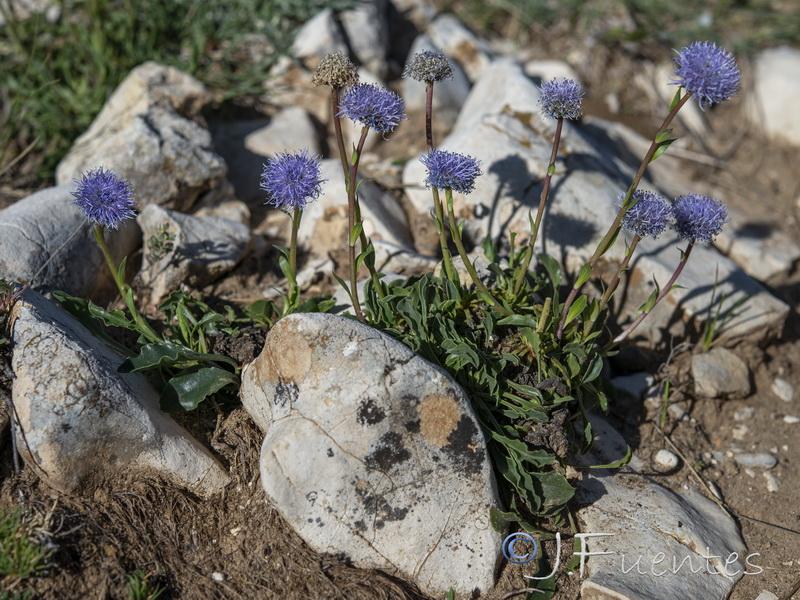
439	416
295	350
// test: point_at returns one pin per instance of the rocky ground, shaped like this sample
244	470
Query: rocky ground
734	439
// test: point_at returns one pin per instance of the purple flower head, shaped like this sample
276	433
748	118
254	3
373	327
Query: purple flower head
451	170
561	98
373	106
708	72
291	180
649	216
104	197
699	218
429	66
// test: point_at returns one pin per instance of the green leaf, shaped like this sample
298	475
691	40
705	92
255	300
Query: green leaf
551	169
166	355
594	370
576	309
553	488
500	520
661	149
583	275
675	99
519	321
356	232
663	135
82	310
553	269
283	250
192	386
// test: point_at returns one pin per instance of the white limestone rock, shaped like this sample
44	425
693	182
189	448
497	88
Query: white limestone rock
643	527
373	453
84	422
319	36
38	228
146	132
720	373
201	250
773	100
455	39
247	145
324	227
367	29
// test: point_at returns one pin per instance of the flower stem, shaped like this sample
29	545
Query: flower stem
664	291
124	290
613	231
614	283
484	291
551	167
337	128
429	115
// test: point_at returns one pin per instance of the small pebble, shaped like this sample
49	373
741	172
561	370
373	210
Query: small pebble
758	460
676	411
783	389
740	431
666	460
766	595
791	419
743	414
773	483
217	576
749	472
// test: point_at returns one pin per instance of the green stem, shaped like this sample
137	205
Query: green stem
551	167
447	260
613	231
664	291
463	254
143	326
614	283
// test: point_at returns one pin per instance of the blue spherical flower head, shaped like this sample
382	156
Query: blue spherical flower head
105	197
708	72
649	216
291	180
699	218
451	170
373	106
561	98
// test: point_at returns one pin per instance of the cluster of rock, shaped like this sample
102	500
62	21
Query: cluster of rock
370	452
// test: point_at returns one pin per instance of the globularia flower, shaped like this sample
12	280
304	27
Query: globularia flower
451	170
699	217
104	197
429	66
291	180
649	216
373	106
335	70
561	98
708	72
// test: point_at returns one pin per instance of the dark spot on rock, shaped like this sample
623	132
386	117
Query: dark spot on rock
476	593
330	452
369	413
465	447
389	452
380	508
65	427
413	426
360	525
285	392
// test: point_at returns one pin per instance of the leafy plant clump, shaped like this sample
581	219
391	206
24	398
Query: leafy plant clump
527	344
21	555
